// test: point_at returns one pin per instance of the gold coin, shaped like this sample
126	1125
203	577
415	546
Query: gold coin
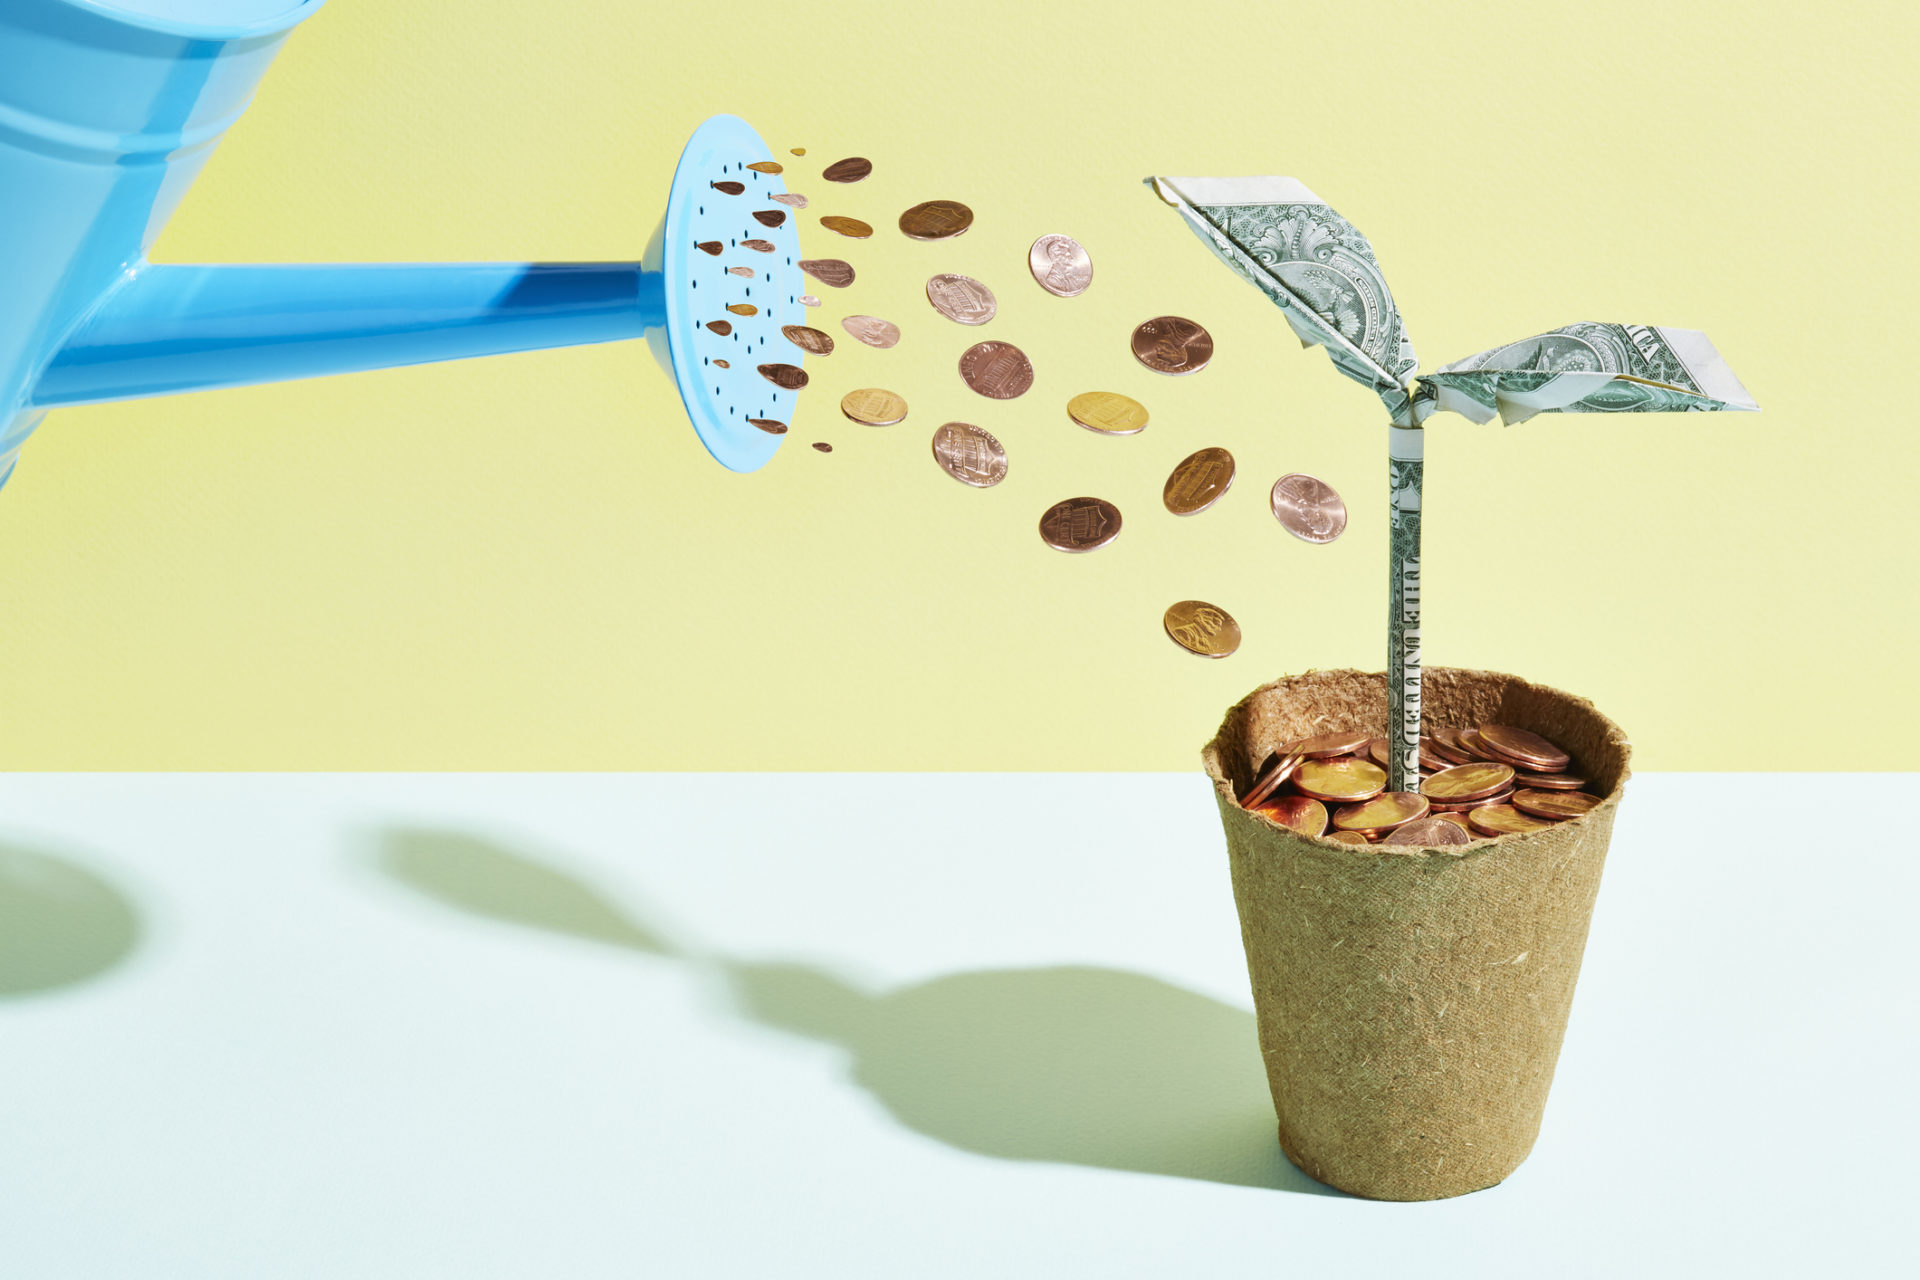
961	299
1554	804
831	272
1344	779
743	309
1060	266
1108	412
1503	819
786	376
1198	482
851	227
1385	811
996	370
1308	509
1202	628
772	426
1530	749
812	341
1297	813
1350	837
791	199
936	220
1080	524
872	330
1429	833
1466	782
873	406
1172	344
766	166
852	169
798	151
969	455
1325	746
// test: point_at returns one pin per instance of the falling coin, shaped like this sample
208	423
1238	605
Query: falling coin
1344	779
852	169
851	227
811	341
1326	746
712	247
1202	628
721	327
1172	345
1430	833
823	446
1108	412
961	299
1308	509
721	364
769	217
936	220
969	455
758	246
873	406
742	309
1080	524
831	272
791	199
808	300
1554	804
1350	837
1530	749
1060	266
997	370
872	330
766	166
798	151
730	188
1502	820
786	376
772	426
1466	782
741	271
1306	816
1385	811
1198	481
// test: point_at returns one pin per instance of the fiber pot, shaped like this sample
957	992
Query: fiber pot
1411	1002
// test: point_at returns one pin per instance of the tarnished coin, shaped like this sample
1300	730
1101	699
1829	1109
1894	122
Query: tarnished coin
1080	524
872	330
1060	265
1108	412
766	166
807	299
850	227
772	426
721	327
1308	509
758	246
1502	820
1549	781
1532	750
1202	628
969	455
997	370
1326	746
770	217
791	199
961	299
874	406
1343	779
1172	344
729	187
936	220
1385	811
787	376
1349	837
1466	782
713	247
823	446
741	271
743	308
1554	804
852	169
812	341
1430	833
831	272
1198	482
1297	813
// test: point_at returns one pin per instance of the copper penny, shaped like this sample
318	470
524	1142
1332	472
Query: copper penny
852	228
1308	508
758	246
1478	802
743	308
1549	781
1200	480
721	327
770	217
772	426
1457	819
1280	766
997	370
831	272
1324	746
1060	265
961	299
823	446
874	406
852	169
1503	820
712	247
936	220
1466	782
791	199
1202	628
1378	753
1529	748
1385	811
1172	345
766	166
721	364
787	376
1080	524
1297	813
1430	833
812	341
1347	781
872	330
1554	804
969	455
1470	743
1349	837
729	187
1108	412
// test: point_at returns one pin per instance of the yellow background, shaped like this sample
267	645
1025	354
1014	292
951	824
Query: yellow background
528	562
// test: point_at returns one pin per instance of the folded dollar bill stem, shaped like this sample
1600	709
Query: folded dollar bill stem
1322	274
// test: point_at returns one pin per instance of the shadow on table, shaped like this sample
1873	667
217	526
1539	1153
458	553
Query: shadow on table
1074	1065
60	924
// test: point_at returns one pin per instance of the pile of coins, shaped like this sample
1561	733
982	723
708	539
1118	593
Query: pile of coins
1475	784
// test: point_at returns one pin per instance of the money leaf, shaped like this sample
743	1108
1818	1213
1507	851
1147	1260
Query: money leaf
1587	368
1313	264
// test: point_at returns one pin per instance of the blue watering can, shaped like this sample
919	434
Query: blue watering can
108	108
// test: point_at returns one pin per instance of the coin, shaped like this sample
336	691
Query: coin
1080	524
961	299
791	199
997	370
872	330
1529	748
1457	819
1060	265
1446	746
721	364
1554	804
786	376
812	341
1469	740
1297	813
874	406
1172	344
1198	482
1325	746
721	327
1478	802
1202	628
741	271
1349	837
769	217
851	227
808	299
936	220
1466	782
1344	779
969	455
852	169
772	426
829	271
766	166
1429	833
743	308
1108	412
1549	781
798	151
758	246
1308	509
1385	811
823	446
1280	766
1502	820
710	247
729	187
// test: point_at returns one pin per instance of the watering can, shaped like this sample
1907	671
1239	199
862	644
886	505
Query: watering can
109	108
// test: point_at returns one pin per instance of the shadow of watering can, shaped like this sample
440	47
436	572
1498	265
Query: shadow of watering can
109	108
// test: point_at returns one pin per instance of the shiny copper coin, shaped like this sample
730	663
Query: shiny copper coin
1549	781
1518	744
1466	782
1478	802
961	299
1503	820
811	341
730	187
770	217
1457	819
1060	266
1280	766
1198	482
743	308
808	300
997	370
936	220
1346	780
1384	812
872	330
721	327
1202	628
1108	412
874	406
1378	753
1306	816
1431	761
823	446
1325	746
1430	833
852	169
758	246
1308	508
853	228
1349	837
710	246
766	166
791	199
969	455
741	271
1554	804
1446	745
786	376
1172	344
1489	752
1080	524
831	272
1470	743
772	426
